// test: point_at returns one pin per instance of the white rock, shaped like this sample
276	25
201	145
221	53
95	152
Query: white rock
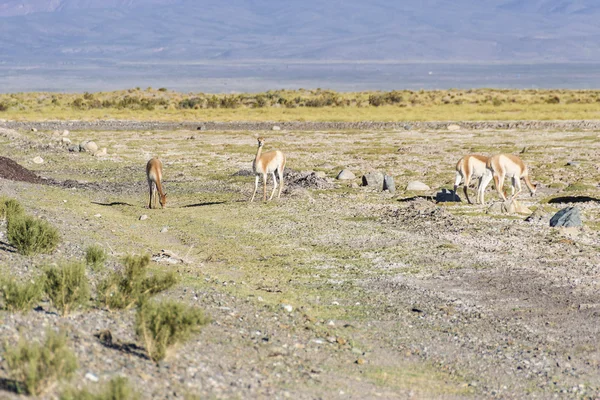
98	215
89	146
33	130
276	128
66	140
164	229
453	127
287	307
143	217
91	377
101	152
416	185
320	174
65	133
346	174
38	160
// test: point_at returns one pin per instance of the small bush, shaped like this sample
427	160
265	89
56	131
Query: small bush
67	286
95	257
38	366
10	208
122	289
3	107
21	296
117	389
162	325
31	235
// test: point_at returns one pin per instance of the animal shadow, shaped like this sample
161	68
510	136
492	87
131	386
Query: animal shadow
573	199
114	203
208	203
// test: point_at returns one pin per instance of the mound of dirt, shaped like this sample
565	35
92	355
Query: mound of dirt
14	172
308	180
418	210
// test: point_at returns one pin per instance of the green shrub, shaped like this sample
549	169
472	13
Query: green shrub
10	208
95	257
3	106
161	325
36	366
67	286
31	235
21	296
117	389
122	289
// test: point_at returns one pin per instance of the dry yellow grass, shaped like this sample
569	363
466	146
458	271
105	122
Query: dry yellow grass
306	105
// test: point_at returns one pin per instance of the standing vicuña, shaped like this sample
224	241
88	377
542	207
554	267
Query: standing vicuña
502	166
470	166
268	163
154	176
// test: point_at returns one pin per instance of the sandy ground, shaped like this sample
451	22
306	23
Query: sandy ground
391	295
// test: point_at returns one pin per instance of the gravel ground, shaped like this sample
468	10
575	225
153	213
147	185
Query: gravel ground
335	290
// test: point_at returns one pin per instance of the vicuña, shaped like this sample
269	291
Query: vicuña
506	166
154	175
470	166
268	163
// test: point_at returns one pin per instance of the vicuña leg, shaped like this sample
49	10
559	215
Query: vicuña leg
517	183
264	187
466	186
280	173
149	193
499	183
274	186
255	188
456	184
485	181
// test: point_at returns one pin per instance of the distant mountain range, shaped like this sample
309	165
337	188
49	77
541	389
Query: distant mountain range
471	31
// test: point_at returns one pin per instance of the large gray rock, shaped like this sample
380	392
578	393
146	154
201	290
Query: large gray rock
567	217
388	183
373	179
417	186
346	174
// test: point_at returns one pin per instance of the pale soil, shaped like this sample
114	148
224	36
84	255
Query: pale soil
392	295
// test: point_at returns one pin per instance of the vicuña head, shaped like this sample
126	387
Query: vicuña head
265	164
511	166
154	176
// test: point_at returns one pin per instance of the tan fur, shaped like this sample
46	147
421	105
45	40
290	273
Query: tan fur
154	175
268	163
470	166
508	165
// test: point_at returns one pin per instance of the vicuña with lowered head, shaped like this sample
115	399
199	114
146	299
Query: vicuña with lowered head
502	166
265	164
154	176
470	166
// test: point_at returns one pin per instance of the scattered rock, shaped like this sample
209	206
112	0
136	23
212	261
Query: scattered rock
305	179
143	217
388	183
98	215
360	361
276	128
101	152
167	256
373	179
193	137
65	133
539	215
164	230
287	307
453	127
75	148
573	163
243	172
320	174
515	207
88	146
567	217
446	196
201	128
326	166
345	174
91	377
38	160
66	140
33	130
417	186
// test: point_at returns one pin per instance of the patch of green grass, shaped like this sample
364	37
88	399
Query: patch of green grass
67	286
31	235
162	325
579	187
10	208
117	389
37	367
122	289
95	257
21	296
